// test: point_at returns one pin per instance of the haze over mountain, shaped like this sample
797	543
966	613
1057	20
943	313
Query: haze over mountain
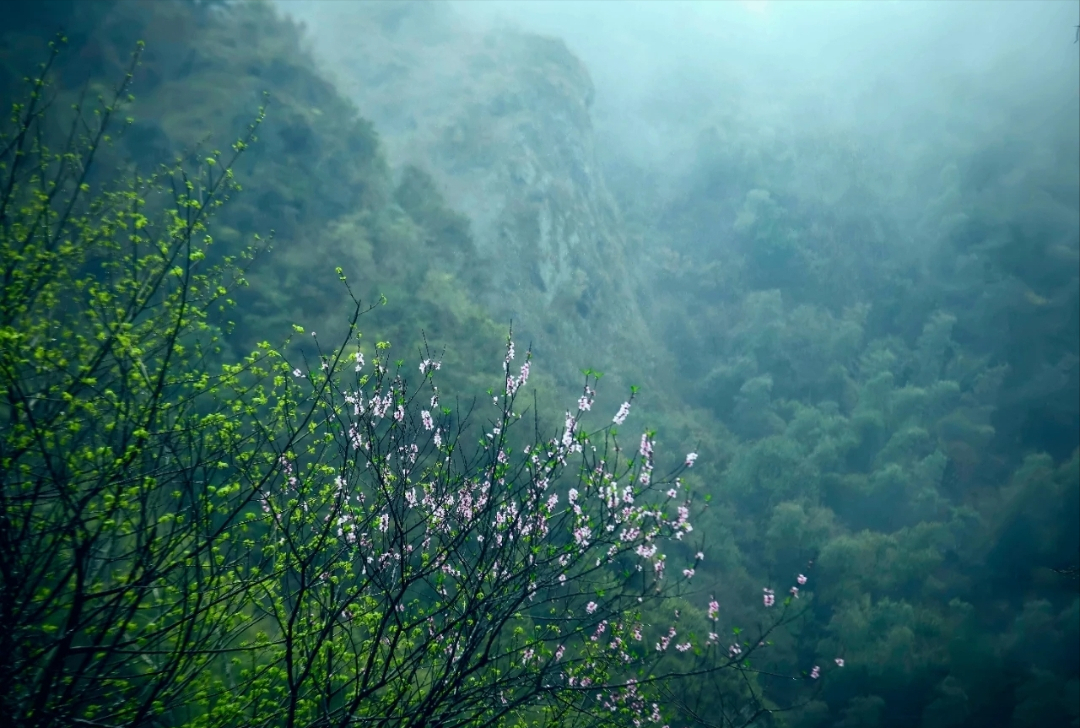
836	244
851	231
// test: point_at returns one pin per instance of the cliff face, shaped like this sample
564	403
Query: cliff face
501	121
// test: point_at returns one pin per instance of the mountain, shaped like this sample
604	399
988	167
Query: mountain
501	122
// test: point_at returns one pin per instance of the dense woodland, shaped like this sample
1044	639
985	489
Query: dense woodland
874	354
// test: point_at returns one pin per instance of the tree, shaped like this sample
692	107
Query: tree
123	576
290	540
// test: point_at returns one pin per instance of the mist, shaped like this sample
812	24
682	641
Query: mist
890	69
787	292
816	213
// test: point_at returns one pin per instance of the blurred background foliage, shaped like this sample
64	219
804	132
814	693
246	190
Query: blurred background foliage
877	358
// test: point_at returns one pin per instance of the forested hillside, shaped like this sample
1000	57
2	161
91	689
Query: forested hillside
865	335
884	330
317	181
887	318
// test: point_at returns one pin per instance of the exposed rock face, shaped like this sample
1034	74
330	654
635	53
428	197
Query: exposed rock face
501	122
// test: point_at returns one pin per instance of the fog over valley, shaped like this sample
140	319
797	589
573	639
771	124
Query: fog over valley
563	363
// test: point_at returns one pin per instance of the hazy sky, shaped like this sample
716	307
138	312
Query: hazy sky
892	78
659	67
793	42
848	57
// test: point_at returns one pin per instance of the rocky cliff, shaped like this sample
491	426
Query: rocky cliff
501	121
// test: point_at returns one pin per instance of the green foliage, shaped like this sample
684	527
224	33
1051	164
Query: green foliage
192	541
125	472
871	461
316	180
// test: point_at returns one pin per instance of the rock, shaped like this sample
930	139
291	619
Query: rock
501	121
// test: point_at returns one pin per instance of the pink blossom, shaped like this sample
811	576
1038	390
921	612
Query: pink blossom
620	416
699	556
839	661
816	672
379	405
795	592
690	458
769	598
568	431
297	373
590	607
714	609
688	573
801	579
425	416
